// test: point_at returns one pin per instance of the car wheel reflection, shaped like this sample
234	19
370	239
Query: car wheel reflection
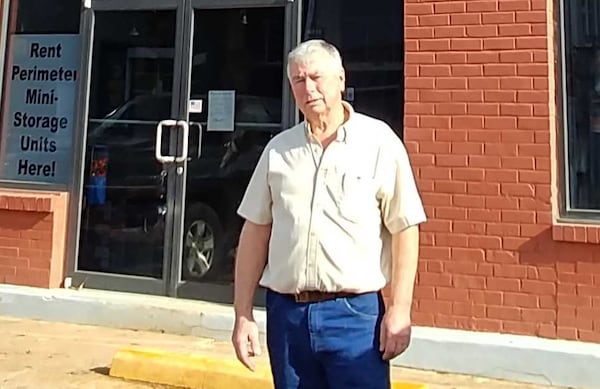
202	243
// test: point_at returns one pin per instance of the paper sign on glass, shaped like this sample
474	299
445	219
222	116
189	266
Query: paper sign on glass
196	106
221	110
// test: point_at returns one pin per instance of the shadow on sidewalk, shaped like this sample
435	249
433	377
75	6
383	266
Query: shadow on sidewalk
101	370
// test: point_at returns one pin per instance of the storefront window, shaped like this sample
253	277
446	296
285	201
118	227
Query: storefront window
370	39
41	75
582	103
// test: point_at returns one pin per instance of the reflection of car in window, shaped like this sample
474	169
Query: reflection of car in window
216	180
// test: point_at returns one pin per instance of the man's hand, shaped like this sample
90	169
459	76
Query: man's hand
249	264
395	332
246	341
395	327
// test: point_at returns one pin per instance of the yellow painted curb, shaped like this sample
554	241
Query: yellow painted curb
187	370
196	371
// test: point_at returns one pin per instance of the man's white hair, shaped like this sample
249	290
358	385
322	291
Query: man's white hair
306	50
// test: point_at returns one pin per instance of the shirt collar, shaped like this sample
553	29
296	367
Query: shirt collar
342	132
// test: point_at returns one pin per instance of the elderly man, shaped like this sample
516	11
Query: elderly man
332	214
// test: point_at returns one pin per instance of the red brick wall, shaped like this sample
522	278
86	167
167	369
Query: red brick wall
25	247
480	127
32	234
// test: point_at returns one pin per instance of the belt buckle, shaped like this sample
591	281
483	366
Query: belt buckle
302	297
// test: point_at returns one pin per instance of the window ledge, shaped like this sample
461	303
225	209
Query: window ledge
28	202
576	232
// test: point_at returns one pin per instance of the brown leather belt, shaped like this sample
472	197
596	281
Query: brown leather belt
315	296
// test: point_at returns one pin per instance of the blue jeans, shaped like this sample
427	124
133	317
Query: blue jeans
326	345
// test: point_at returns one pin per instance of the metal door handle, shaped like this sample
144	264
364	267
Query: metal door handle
158	148
186	141
199	125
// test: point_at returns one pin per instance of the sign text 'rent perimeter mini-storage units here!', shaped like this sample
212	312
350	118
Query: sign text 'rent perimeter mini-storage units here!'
40	116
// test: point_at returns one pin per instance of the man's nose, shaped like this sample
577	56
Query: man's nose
310	85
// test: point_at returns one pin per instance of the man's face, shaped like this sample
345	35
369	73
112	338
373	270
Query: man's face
317	84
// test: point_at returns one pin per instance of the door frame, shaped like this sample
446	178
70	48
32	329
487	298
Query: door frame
111	281
209	291
171	283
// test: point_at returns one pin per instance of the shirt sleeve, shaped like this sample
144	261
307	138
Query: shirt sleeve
400	202
257	201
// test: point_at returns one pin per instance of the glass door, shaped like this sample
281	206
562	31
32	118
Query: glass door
183	97
237	94
132	144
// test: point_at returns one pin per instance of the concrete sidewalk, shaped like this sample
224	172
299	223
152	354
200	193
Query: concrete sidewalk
53	355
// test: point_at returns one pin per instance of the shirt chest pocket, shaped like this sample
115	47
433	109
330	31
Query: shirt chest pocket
353	194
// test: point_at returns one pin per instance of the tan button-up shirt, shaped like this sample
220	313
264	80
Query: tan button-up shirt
332	210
